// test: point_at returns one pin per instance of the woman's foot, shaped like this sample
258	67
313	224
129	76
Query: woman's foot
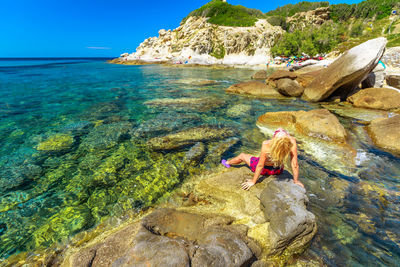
225	163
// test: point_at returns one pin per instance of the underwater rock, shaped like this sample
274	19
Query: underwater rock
207	83
64	224
385	133
240	110
346	72
216	150
106	136
376	98
201	104
254	88
195	154
78	128
319	123
189	136
56	143
260	75
289	87
292	226
100	111
166	122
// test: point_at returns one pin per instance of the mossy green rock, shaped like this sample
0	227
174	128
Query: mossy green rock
68	221
56	143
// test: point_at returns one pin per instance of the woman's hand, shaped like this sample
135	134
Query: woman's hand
299	183
246	185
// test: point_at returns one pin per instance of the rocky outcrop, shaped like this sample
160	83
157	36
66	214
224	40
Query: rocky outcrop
303	19
291	224
198	42
393	80
254	88
346	72
385	133
289	87
318	123
391	57
376	98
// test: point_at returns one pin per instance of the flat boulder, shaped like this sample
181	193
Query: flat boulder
393	80
346	72
190	137
292	226
282	74
254	88
260	75
376	98
319	123
289	87
385	133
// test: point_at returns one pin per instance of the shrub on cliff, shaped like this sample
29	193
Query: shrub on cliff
291	9
222	13
366	9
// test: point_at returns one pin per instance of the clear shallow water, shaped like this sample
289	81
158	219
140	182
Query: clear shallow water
97	119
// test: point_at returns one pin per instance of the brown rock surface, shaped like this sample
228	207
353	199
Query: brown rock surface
281	74
385	133
318	123
260	75
346	72
289	87
376	98
254	88
393	80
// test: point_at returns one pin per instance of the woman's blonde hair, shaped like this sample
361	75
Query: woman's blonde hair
280	150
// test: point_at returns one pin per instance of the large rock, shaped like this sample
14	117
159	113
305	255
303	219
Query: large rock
260	75
292	226
281	74
346	73
376	98
254	88
189	137
318	123
375	78
176	238
385	133
289	87
393	80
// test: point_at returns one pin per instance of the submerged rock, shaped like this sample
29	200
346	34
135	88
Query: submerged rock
200	104
254	88
346	72
56	143
240	110
189	136
106	136
376	98
385	133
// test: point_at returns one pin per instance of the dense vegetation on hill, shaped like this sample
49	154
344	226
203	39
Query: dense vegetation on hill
222	13
349	24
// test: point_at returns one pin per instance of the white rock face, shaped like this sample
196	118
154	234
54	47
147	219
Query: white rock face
199	42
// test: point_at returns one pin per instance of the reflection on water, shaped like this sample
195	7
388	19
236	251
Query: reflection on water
74	152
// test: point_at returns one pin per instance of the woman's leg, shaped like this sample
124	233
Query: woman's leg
243	157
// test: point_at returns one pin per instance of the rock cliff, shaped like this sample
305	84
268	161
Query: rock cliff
197	41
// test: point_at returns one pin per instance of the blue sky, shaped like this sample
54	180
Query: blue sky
90	28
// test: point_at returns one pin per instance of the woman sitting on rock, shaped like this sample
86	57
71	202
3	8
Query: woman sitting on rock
274	154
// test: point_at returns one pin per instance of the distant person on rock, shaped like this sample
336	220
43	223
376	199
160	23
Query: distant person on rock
274	153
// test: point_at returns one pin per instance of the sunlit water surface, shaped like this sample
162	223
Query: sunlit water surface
104	167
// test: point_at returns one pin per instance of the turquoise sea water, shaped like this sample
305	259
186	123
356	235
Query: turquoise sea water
73	153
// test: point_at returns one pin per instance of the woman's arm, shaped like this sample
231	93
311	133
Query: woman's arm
263	156
294	164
